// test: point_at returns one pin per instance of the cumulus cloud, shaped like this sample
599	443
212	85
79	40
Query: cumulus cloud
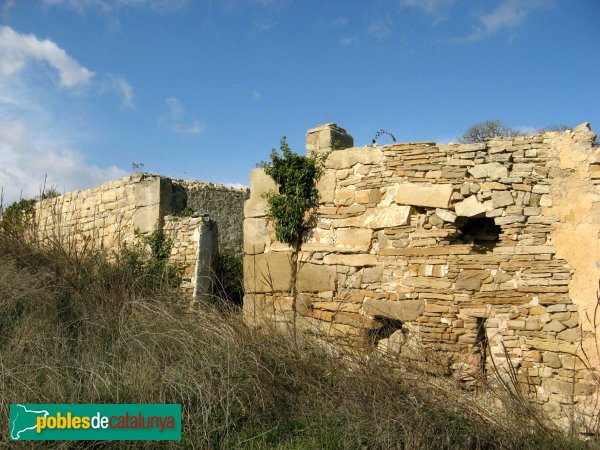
175	119
18	50
508	15
24	165
122	87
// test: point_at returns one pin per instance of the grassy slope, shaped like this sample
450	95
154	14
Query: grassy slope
74	329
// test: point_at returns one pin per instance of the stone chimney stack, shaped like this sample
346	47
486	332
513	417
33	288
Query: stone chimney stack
325	138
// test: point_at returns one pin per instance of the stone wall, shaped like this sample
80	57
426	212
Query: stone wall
120	212
194	250
225	205
485	255
108	215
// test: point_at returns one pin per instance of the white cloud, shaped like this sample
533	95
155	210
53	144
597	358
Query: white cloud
429	6
256	95
508	15
113	5
236	185
340	22
122	87
346	41
174	120
24	165
380	27
18	50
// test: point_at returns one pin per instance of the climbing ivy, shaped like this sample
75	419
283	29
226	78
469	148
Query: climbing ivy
297	177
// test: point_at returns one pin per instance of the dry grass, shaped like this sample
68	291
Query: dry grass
75	329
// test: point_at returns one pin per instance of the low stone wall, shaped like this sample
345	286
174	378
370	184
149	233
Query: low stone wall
106	216
120	212
486	255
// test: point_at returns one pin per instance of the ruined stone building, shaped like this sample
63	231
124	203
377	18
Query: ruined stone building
199	218
480	253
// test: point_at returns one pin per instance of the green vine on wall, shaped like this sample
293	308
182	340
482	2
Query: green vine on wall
290	208
297	177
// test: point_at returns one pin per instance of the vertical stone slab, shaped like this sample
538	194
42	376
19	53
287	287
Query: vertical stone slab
207	238
153	200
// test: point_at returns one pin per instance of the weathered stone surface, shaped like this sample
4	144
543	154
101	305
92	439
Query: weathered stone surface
267	272
260	183
570	335
493	171
344	197
471	207
404	310
392	216
326	186
554	326
445	215
316	278
347	158
471	280
502	198
551	359
255	235
427	282
355	238
327	137
431	195
351	260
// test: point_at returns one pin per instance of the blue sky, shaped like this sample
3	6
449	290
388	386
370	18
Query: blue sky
204	89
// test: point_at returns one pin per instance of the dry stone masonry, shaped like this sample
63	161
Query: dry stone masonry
118	213
485	255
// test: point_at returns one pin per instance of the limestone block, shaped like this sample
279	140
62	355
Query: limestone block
501	198
427	283
570	335
404	310
326	138
372	274
316	278
326	186
344	197
368	196
471	207
471	280
347	158
146	218
506	220
260	183
357	238
267	272
356	320
392	216
255	235
431	195
350	260
445	215
493	171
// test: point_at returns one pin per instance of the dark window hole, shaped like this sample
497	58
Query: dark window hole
481	231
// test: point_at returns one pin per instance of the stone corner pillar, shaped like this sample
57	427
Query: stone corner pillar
328	137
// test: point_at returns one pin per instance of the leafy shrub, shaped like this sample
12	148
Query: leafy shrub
296	176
